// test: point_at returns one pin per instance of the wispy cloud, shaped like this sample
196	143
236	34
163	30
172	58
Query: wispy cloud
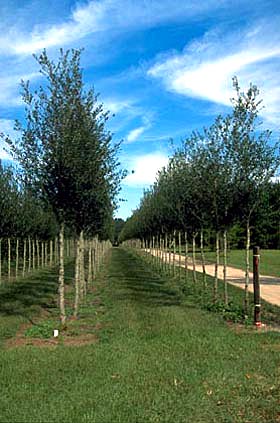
144	168
9	88
205	68
100	16
134	134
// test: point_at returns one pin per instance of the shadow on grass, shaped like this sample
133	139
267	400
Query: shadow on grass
139	282
29	294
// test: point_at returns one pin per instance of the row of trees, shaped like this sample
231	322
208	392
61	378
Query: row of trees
67	159
216	179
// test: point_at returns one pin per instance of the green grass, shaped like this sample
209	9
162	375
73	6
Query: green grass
269	263
160	358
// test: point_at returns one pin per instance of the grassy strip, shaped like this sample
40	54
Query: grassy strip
159	358
269	263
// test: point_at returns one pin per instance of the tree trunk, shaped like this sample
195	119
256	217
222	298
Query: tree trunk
174	251
89	278
186	256
77	278
24	257
247	279
217	266
51	253
180	252
193	258
203	260
42	254
17	246
0	260
38	254
225	269
9	258
29	254
82	265
61	276
33	254
46	253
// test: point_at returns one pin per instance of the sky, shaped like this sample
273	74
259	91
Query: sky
163	68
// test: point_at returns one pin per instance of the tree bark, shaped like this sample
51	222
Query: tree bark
217	266
33	254
247	279
174	251
38	254
51	253
9	258
77	278
61	276
203	260
24	258
180	252
17	246
225	269
186	256
29	254
82	265
193	258
0	260
46	253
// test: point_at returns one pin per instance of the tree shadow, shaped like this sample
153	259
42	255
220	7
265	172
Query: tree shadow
137	281
31	293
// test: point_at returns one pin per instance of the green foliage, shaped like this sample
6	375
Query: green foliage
217	179
42	330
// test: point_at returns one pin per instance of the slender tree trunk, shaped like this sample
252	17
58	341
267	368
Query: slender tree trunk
61	276
38	253
77	277
33	255
180	253
51	253
247	279
217	266
0	260
89	263
29	254
17	247
9	258
225	269
193	257
186	257
46	253
42	254
203	260
174	251
24	258
82	265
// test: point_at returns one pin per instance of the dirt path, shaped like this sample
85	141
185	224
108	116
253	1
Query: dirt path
270	285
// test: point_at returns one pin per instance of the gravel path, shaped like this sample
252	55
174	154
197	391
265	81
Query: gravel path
270	285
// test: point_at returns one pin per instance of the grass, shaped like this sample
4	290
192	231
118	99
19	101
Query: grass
269	263
160	358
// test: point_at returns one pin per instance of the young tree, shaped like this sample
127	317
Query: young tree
65	152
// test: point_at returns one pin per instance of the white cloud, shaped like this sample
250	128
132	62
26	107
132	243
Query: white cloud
206	71
143	169
135	134
9	88
100	16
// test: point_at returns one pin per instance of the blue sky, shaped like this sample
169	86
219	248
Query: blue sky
163	67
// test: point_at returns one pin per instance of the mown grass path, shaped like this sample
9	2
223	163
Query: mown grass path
159	359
